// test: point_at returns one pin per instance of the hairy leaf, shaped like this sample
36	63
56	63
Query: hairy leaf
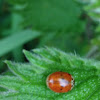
29	82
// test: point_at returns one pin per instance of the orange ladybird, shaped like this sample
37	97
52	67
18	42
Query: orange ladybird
60	82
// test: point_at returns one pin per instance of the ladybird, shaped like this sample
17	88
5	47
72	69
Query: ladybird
60	82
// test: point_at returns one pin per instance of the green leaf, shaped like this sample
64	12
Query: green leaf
2	89
84	90
10	82
48	14
32	58
96	95
29	81
92	7
9	43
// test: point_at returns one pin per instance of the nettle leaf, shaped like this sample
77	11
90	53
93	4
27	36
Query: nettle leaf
29	80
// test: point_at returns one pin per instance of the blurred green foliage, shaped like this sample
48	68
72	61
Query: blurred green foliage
71	25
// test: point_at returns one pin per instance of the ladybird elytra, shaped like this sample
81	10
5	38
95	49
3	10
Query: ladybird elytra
60	82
